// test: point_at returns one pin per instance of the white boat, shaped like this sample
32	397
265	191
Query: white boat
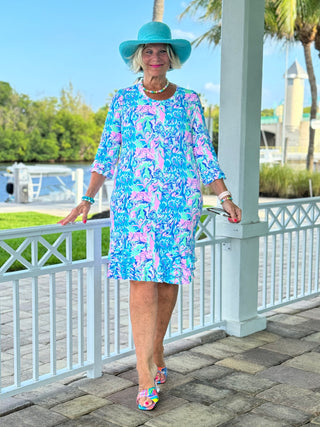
270	156
25	182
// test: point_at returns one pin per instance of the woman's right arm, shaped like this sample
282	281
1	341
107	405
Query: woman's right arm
83	208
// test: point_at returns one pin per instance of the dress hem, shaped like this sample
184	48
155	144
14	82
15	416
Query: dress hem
111	275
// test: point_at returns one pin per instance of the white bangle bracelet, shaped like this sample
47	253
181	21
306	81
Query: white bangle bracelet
224	194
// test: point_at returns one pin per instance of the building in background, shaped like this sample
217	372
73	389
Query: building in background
287	132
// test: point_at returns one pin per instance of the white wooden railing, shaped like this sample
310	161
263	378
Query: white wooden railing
66	318
289	253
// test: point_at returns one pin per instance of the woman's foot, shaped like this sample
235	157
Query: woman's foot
148	398
161	376
148	391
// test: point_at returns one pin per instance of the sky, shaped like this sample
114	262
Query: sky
46	44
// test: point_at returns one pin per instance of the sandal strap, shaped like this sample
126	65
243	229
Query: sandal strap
150	393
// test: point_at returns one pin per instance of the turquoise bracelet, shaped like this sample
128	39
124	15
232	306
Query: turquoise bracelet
225	199
88	199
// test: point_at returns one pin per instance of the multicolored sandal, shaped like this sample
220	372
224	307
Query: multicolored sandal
150	393
161	376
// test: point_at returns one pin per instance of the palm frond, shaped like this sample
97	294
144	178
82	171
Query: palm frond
212	10
308	10
286	11
193	8
212	36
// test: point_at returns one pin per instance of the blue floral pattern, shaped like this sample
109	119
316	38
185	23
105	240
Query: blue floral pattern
157	152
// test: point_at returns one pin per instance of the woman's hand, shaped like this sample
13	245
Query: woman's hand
233	210
82	209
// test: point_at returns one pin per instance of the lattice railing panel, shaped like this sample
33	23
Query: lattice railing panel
295	215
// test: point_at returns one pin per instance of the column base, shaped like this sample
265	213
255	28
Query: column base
246	327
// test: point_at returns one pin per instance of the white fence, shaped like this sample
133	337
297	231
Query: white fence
65	318
289	253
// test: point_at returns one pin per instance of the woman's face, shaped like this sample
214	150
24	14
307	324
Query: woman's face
155	59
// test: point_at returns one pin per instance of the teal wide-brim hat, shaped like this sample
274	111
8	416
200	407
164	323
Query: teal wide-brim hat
155	32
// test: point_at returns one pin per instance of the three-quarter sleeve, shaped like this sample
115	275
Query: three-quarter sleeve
203	149
109	148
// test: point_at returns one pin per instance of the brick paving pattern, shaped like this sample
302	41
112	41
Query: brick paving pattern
271	378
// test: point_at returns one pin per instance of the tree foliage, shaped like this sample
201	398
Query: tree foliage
48	130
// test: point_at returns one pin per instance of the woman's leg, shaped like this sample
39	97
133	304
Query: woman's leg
143	313
167	297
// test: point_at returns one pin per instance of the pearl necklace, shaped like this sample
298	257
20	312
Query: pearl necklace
156	91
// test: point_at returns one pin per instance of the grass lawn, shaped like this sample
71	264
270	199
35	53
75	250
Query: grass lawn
26	219
30	219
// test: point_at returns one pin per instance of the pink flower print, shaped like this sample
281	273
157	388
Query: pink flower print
186	224
149	109
210	155
116	136
194	183
156	203
156	260
141	257
141	196
187	136
162	115
141	237
132	214
190	97
198	151
138	126
145	153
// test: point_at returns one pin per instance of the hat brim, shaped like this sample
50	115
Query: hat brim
181	47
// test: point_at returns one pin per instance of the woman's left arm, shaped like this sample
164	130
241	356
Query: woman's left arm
207	162
218	187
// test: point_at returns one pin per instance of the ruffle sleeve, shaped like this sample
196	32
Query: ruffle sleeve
109	148
203	150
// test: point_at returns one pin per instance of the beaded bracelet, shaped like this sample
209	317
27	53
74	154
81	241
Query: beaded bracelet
224	194
225	199
88	199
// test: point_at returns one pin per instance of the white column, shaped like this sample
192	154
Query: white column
240	106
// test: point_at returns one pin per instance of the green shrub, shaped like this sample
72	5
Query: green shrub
286	182
300	184
275	180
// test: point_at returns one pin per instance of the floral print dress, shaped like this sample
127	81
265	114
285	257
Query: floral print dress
157	152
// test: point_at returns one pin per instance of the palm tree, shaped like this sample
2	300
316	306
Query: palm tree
287	20
317	39
297	21
158	9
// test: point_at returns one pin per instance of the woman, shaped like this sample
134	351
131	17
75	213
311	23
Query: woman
155	134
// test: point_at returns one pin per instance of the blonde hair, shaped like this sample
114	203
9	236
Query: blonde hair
136	59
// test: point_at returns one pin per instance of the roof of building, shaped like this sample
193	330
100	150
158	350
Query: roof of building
296	71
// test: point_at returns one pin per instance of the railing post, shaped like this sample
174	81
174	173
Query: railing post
94	319
78	185
240	106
